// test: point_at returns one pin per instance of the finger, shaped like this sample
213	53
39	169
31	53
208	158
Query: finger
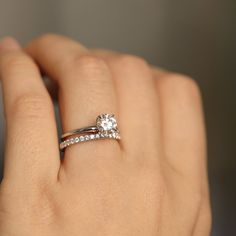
86	90
138	103
183	125
31	145
109	55
192	168
183	138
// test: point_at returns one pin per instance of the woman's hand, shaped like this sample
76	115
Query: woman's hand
152	182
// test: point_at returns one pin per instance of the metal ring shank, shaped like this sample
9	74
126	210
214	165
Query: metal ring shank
89	129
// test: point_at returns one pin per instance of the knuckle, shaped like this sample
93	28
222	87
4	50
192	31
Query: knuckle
156	191
182	85
92	70
31	106
154	180
90	63
15	63
42	208
39	205
132	62
46	38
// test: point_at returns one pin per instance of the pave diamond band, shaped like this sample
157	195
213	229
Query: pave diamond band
84	138
106	127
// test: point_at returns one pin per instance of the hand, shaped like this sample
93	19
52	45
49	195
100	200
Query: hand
152	182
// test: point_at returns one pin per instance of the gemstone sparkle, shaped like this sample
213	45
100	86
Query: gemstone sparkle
106	123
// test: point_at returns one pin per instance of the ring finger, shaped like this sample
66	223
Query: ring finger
86	90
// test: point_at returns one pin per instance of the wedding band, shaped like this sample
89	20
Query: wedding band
86	138
90	129
106	127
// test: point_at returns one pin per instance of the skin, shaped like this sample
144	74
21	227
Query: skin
152	182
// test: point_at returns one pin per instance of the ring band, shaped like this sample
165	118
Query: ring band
90	129
106	127
80	139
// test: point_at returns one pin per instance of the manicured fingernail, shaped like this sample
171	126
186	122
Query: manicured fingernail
9	43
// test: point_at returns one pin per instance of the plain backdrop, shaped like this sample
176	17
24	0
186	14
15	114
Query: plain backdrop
197	38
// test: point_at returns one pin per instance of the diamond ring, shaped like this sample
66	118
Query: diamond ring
106	127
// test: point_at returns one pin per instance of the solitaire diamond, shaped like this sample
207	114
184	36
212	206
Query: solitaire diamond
106	124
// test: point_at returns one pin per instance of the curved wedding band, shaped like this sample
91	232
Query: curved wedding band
86	138
106	128
90	129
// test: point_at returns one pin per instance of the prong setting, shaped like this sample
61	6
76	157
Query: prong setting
107	124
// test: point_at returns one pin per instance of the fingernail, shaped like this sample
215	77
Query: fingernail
9	43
